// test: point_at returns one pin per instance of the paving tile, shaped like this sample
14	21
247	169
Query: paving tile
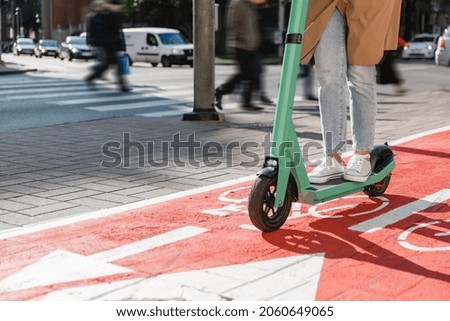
33	200
12	206
8	194
5	226
135	191
95	203
51	193
75	195
116	198
42	210
100	187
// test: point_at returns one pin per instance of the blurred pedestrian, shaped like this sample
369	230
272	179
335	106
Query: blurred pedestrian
242	21
104	32
387	73
348	39
259	83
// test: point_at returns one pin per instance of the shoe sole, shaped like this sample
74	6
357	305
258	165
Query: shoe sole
358	179
321	180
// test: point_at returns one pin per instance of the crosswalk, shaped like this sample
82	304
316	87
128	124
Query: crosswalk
103	97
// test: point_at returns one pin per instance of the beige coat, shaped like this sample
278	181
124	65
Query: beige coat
373	27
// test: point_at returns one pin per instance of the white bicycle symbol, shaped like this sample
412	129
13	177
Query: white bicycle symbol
418	234
423	230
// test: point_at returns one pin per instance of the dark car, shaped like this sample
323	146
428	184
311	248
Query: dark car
75	47
23	46
46	47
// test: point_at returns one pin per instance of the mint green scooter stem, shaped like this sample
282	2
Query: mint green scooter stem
285	145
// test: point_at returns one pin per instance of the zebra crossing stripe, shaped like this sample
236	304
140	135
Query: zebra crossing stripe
144	104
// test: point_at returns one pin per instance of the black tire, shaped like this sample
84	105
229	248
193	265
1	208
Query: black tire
166	62
379	188
261	208
154	64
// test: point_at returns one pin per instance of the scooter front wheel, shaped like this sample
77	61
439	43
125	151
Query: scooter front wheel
263	212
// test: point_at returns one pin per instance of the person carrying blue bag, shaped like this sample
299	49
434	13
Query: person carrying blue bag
104	32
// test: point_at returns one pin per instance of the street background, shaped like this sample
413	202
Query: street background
56	133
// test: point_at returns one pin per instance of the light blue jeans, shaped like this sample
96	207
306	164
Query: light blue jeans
339	84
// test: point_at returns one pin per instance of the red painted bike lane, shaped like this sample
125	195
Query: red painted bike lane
393	247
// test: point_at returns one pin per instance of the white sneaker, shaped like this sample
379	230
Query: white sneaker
358	168
329	169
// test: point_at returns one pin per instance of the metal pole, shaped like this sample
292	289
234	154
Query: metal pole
46	19
204	54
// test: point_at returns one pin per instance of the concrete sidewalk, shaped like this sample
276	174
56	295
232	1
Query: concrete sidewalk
57	171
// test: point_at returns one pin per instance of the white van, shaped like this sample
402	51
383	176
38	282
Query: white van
158	45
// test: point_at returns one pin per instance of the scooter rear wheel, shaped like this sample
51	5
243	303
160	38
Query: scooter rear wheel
261	204
379	188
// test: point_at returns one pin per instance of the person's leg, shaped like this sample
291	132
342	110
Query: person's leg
363	108
259	84
248	66
114	59
123	84
229	86
100	67
331	70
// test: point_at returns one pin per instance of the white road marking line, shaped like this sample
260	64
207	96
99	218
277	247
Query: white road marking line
401	212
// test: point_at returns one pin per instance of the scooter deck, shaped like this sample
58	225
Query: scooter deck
330	183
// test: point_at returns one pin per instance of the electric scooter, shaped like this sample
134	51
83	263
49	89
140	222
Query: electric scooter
283	178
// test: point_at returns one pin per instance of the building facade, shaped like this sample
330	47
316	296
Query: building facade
61	18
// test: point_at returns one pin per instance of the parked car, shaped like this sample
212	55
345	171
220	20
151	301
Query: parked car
75	47
421	46
23	46
46	47
158	45
442	56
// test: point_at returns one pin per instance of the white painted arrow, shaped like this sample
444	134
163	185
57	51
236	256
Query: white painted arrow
63	266
293	278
